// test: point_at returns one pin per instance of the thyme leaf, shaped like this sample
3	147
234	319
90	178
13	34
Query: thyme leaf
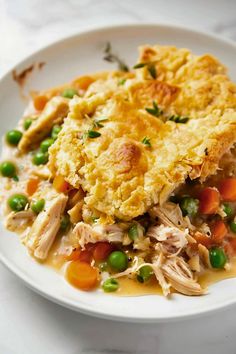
113	58
121	82
146	141
150	67
152	71
97	122
155	111
139	65
93	134
179	119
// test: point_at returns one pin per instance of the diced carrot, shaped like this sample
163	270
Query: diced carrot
102	251
203	239
82	275
83	82
209	201
40	102
85	256
74	256
60	184
32	185
218	231
78	255
227	189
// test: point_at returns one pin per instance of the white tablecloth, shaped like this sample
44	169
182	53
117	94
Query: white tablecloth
29	324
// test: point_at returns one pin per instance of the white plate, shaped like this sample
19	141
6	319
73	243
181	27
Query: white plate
65	60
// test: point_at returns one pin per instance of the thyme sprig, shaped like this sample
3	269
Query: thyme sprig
97	122
113	58
179	119
150	67
155	111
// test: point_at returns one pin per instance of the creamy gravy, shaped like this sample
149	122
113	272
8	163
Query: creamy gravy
131	287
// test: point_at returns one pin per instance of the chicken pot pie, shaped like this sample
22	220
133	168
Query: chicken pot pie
129	175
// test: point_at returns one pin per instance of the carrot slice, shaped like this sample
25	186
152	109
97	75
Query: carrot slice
40	102
209	201
32	186
60	184
227	189
82	275
218	231
102	251
83	82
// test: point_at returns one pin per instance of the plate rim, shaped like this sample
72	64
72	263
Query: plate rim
84	309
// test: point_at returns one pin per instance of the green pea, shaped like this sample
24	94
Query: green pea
110	285
13	137
217	257
45	144
227	209
27	123
37	206
144	274
17	202
8	169
55	131
232	226
40	158
118	261
189	206
133	232
103	266
69	93
65	222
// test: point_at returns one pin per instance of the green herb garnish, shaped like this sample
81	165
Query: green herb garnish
150	67
93	134
139	65
146	141
113	58
96	122
155	111
179	119
121	82
152	71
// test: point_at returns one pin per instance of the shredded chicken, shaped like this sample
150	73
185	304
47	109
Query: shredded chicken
157	269
87	234
204	255
15	221
170	214
44	229
194	263
131	270
54	113
177	271
172	239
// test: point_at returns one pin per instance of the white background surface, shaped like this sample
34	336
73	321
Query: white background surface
30	324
